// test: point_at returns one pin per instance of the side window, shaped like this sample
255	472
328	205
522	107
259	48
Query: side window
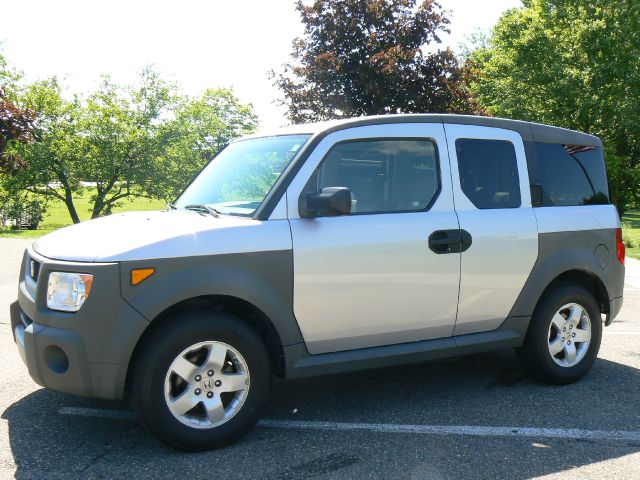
488	172
386	175
570	175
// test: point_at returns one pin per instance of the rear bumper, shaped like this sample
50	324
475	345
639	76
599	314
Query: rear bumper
615	305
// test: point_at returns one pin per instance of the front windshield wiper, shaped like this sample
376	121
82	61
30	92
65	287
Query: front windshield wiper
204	209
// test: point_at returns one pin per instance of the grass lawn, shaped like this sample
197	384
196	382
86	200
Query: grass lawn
631	232
57	215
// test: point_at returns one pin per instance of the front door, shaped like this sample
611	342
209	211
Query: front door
372	277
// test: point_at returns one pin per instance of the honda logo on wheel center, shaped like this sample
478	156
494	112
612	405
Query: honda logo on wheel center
207	384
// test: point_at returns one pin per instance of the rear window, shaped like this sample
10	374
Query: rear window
488	173
570	175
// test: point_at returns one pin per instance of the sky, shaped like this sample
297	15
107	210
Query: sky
198	43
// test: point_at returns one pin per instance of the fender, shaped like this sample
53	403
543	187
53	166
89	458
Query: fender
560	252
264	279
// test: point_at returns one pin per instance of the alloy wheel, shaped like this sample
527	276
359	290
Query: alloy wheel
206	384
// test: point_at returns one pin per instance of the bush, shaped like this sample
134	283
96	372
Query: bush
629	235
22	214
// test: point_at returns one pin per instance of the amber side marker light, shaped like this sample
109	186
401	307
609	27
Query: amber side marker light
139	275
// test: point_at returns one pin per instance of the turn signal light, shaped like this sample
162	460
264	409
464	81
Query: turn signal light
139	275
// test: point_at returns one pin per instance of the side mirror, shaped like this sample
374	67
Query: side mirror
330	202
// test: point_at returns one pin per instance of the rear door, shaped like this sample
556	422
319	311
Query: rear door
493	202
370	278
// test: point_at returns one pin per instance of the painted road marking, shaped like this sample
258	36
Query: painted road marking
471	430
468	430
97	413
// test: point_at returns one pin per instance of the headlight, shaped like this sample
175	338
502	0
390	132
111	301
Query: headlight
67	292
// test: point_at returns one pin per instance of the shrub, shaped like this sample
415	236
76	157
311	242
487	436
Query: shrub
21	214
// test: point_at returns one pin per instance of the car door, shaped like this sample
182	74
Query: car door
493	202
369	278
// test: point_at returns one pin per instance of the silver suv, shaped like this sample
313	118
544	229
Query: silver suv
328	248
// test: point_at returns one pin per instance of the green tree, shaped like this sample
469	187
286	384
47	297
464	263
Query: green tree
53	157
572	63
200	128
16	124
144	141
367	57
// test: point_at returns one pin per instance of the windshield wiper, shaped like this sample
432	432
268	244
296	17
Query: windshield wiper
204	209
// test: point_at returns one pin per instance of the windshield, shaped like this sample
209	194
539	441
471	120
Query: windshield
237	180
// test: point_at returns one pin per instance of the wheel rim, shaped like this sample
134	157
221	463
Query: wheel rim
569	335
206	384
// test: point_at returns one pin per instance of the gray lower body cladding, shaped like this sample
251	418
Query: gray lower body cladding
300	364
592	252
262	279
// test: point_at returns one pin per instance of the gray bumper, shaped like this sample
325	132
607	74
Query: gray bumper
615	305
56	359
85	353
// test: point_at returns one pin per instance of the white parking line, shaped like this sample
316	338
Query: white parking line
97	413
470	430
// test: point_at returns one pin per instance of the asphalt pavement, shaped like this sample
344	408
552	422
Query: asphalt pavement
474	417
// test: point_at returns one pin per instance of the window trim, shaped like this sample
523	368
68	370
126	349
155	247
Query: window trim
438	169
515	156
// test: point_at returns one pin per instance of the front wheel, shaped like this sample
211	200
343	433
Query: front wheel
201	380
564	336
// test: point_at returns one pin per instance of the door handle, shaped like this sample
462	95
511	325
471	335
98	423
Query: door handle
449	241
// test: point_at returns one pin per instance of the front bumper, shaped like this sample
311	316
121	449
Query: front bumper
56	357
84	353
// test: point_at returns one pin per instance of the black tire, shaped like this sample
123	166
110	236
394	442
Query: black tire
164	344
534	354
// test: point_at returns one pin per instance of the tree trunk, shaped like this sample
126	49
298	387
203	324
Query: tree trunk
68	195
98	206
68	200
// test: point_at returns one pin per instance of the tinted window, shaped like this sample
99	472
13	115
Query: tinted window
489	172
570	175
382	175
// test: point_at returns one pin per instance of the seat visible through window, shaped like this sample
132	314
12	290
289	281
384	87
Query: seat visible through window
488	173
388	175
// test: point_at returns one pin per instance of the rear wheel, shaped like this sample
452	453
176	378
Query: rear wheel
564	336
201	380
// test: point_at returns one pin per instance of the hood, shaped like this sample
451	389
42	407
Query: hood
149	235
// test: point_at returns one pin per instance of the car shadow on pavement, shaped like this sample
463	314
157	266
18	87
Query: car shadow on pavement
481	390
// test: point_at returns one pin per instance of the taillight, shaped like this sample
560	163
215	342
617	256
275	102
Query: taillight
619	246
